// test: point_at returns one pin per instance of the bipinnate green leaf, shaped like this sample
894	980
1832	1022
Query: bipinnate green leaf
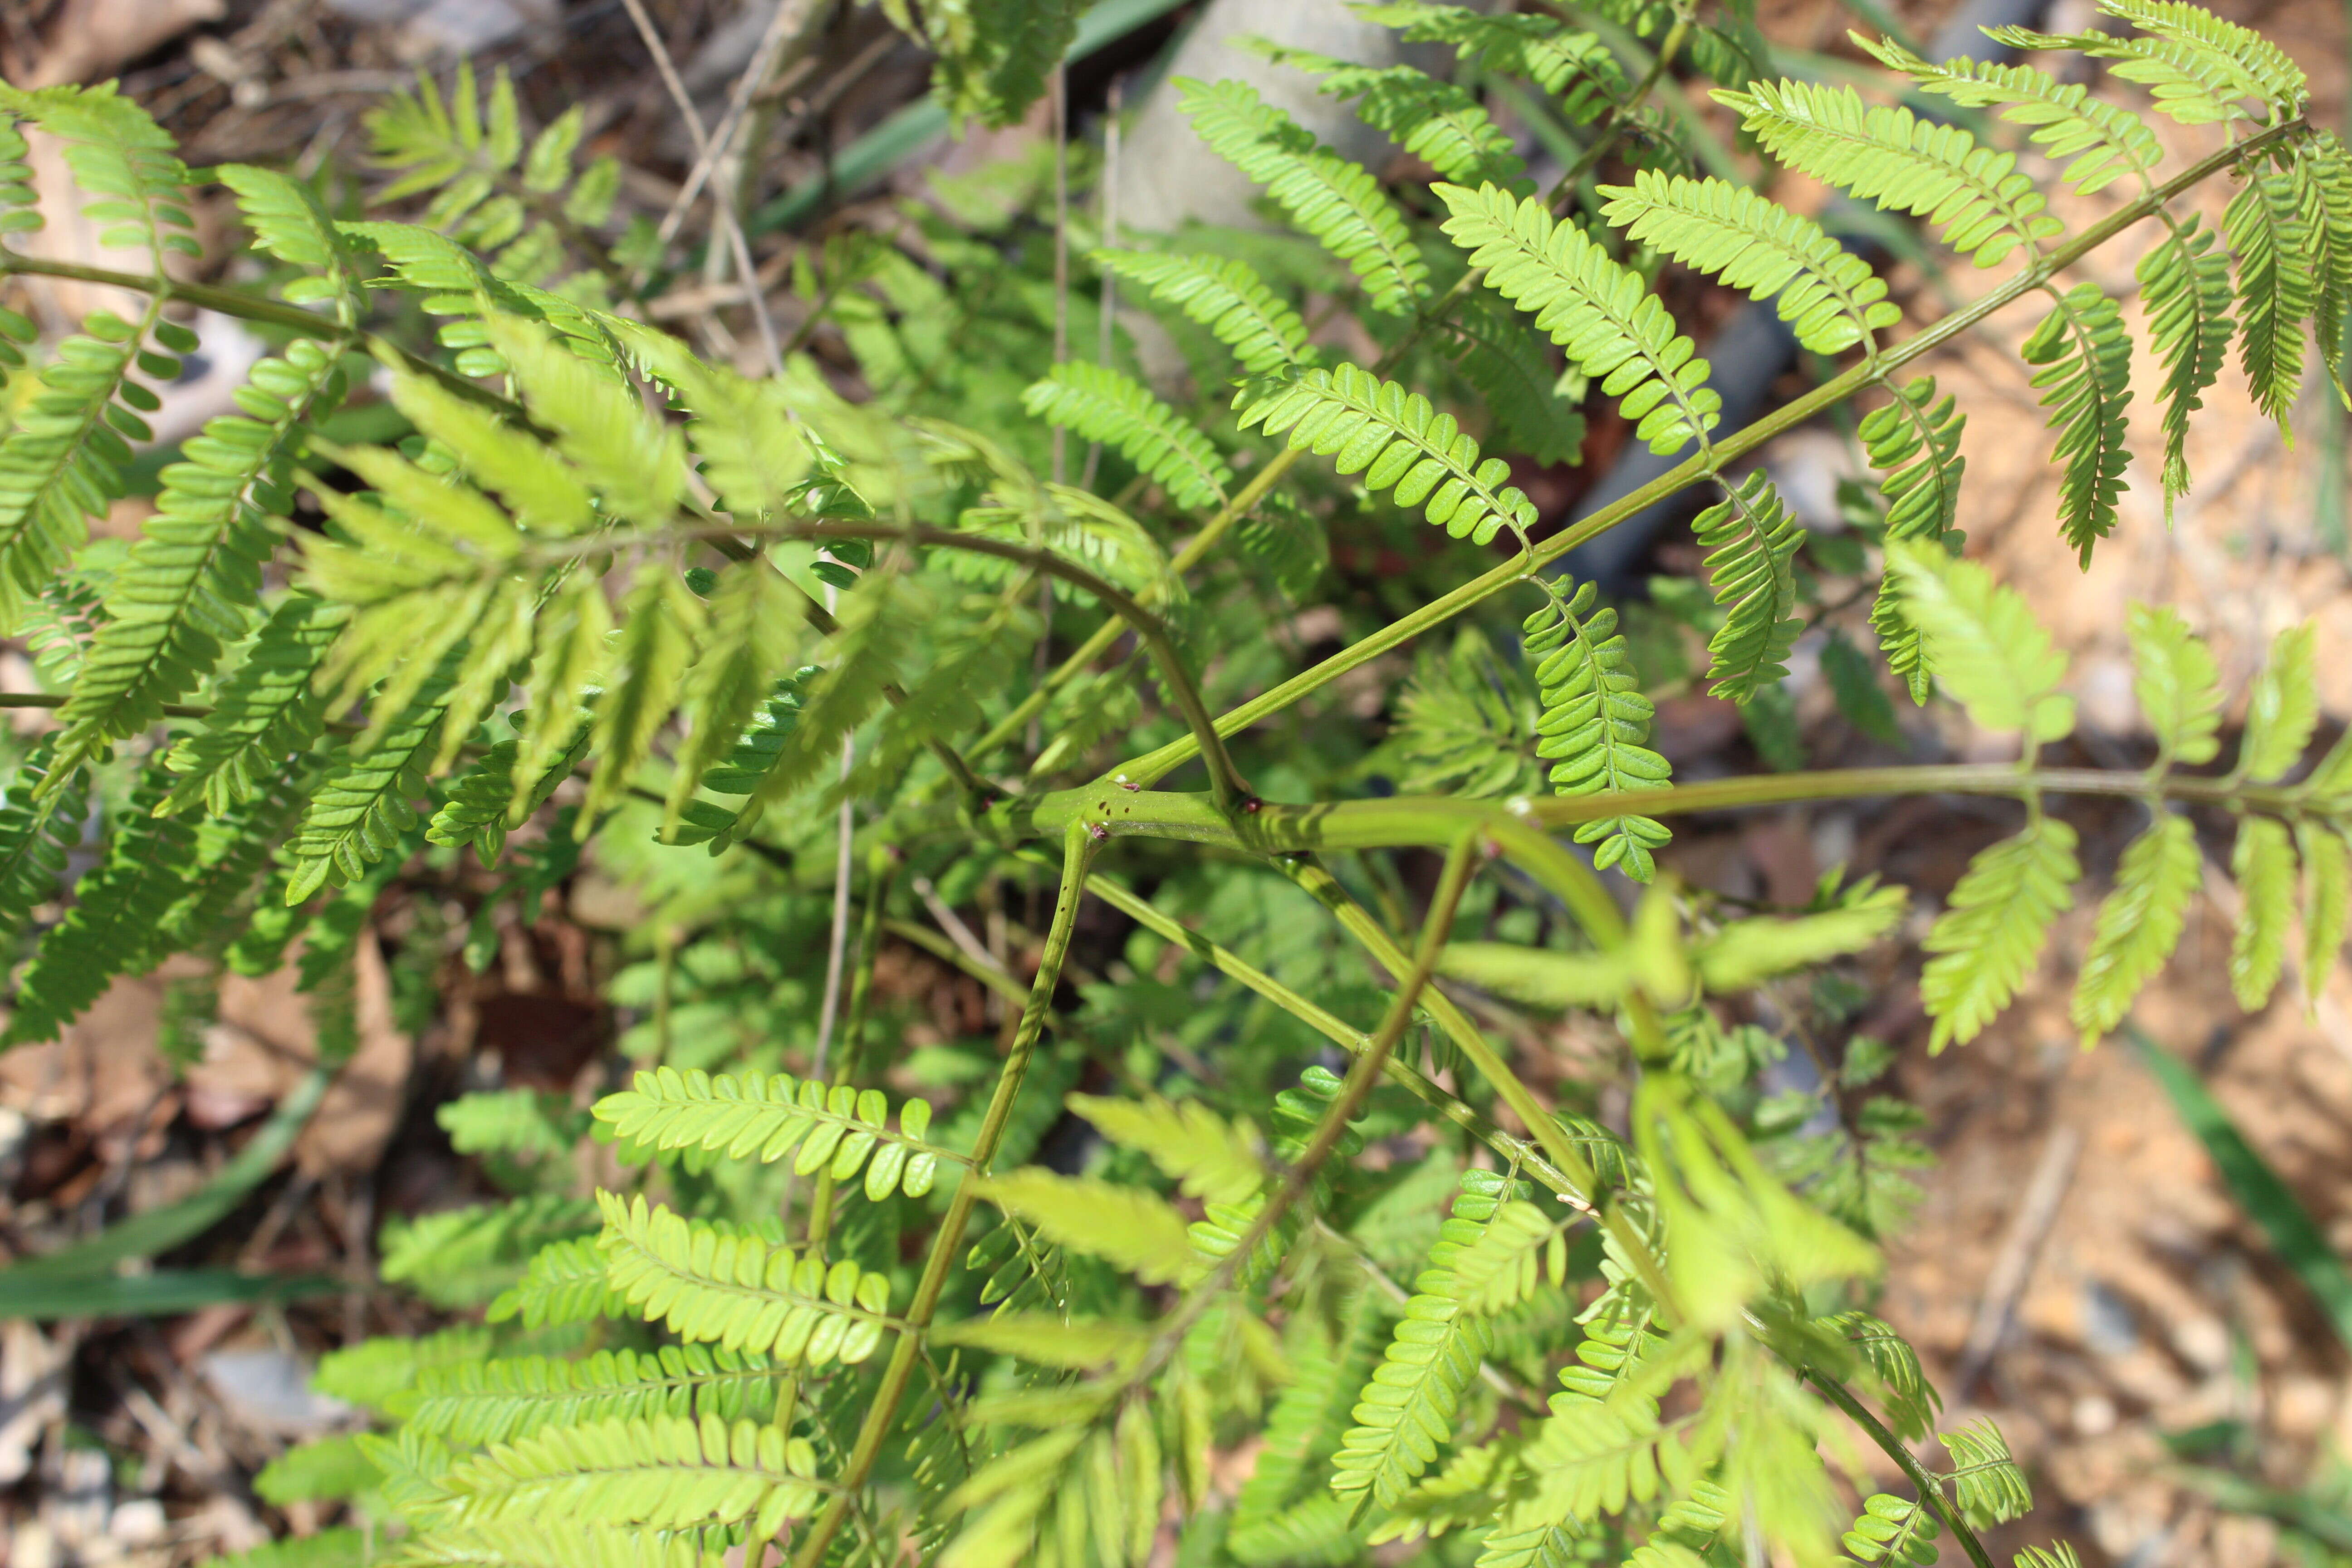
2262	864
2326	902
2178	683
2284	706
1983	643
1134	1231
1986	942
1746	952
1407	1411
1209	1157
1521	1246
707	1281
1986	1479
663	623
1335	199
1043	1338
749	637
2138	924
766	1116
669	1472
1600	311
1108	406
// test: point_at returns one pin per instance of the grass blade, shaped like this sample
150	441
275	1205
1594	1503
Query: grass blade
2298	1241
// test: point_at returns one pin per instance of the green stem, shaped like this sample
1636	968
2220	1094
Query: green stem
1224	783
1513	1150
1459	1028
1078	852
1565	190
1460	861
1931	1492
1406	821
1151	768
246	307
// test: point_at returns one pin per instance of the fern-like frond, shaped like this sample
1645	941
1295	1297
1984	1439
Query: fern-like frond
1829	296
1986	1479
2200	69
118	922
1885	154
766	1116
1224	294
2323	173
2139	923
1206	1155
2177	682
1575	67
1751	540
550	1543
1595	721
40	823
2283	709
1988	938
2085	358
669	1472
2263	865
1134	1230
1465	724
2107	143
62	461
2185	288
499	1401
463	1255
518	206
1520	1247
1306	1420
707	1283
1435	120
2276	289
1984	643
994	56
1514	374
130	165
363	809
1397	438
481	808
1911	1402
264	713
2327	902
1914	442
564	1283
1601	311
1406	1413
289	222
1337	202
1892	1530
185	590
1109	405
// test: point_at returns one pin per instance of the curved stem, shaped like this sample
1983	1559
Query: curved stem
1151	768
1078	852
1521	1152
1224	783
1402	821
1459	1028
1931	1492
1460	861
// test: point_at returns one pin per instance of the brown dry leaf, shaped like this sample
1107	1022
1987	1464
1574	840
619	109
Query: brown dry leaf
93	38
363	1106
101	1070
